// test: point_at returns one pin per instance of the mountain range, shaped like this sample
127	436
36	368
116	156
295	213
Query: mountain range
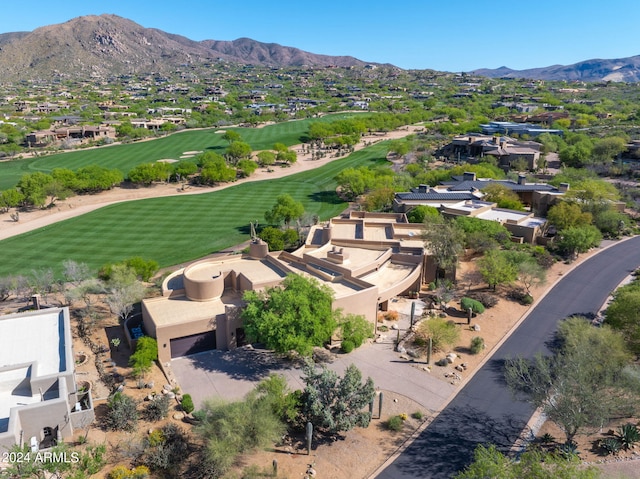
103	45
617	70
99	46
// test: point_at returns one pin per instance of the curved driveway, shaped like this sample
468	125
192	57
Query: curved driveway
484	410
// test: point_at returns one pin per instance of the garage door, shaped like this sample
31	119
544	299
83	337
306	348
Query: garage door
196	343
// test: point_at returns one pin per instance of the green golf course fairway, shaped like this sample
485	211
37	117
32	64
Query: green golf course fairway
126	156
172	230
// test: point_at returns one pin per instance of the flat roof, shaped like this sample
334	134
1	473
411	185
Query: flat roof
254	269
37	336
31	344
502	215
389	274
171	311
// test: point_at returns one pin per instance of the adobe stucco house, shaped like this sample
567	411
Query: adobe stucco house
365	258
39	398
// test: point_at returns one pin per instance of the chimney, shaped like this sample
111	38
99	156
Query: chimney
522	179
469	176
423	188
563	188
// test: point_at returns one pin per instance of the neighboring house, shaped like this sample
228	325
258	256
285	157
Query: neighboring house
511	128
78	133
435	196
506	150
537	196
522	225
365	258
40	401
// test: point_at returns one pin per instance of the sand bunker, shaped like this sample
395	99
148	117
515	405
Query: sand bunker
191	152
167	160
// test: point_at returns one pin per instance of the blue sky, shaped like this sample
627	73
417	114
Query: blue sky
448	35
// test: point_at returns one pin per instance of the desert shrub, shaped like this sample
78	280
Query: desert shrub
122	413
169	454
187	404
521	296
568	450
143	269
610	445
347	346
417	415
355	329
395	423
442	333
488	300
547	438
477	345
628	435
157	408
471	304
391	315
544	258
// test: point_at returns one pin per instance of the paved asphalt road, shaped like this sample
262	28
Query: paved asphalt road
484	411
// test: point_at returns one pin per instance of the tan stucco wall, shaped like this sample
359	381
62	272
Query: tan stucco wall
165	334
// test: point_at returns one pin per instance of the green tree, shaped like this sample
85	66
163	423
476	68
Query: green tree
607	149
286	209
146	173
94	178
496	268
623	314
531	274
379	199
609	221
231	136
421	212
295	316
489	462
246	167
33	187
238	150
275	392
444	240
567	214
441	332
335	404
578	239
11	198
183	169
278	239
145	354
593	190
584	384
355	329
503	196
266	158
215	170
229	429
123	290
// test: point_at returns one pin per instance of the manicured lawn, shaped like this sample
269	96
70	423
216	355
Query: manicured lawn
125	157
177	229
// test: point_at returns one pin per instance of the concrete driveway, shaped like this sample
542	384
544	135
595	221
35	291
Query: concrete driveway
232	374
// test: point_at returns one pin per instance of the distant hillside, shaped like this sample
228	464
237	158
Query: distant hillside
103	45
618	70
